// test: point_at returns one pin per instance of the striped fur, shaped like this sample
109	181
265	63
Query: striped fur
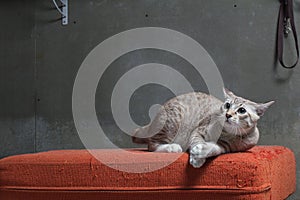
203	125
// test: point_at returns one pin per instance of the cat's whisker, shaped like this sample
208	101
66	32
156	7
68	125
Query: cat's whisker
237	130
241	132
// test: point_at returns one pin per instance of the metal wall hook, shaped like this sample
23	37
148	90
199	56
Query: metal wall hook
63	10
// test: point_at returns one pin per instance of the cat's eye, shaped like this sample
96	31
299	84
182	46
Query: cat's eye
242	110
227	105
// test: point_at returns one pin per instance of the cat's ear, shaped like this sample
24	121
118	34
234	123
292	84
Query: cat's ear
262	107
228	94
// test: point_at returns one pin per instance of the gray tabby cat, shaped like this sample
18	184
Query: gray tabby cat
203	125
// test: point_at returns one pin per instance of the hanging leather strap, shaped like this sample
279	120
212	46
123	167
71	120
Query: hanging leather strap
286	24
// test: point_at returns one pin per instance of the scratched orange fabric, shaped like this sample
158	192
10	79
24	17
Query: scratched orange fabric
264	172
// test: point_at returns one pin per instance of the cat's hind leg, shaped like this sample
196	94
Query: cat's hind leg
168	148
140	135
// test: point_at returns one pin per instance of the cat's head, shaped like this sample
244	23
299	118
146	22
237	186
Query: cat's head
241	114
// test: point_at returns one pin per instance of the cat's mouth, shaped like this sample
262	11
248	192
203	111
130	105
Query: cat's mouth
228	122
231	122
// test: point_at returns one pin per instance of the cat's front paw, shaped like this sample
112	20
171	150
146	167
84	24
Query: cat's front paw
207	149
198	155
169	148
199	151
174	148
197	162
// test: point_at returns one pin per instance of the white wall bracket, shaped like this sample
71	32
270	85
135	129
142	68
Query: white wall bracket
63	10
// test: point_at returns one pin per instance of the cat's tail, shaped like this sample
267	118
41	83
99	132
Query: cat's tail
140	135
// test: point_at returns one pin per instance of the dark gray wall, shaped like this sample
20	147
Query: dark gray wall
39	60
17	78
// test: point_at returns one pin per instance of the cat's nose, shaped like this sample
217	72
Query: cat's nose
228	116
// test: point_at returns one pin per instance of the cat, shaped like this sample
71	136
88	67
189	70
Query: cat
203	125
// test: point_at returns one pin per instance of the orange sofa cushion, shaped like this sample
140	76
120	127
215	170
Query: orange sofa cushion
263	172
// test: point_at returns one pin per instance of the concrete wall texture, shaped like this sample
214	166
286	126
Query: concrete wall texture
39	60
